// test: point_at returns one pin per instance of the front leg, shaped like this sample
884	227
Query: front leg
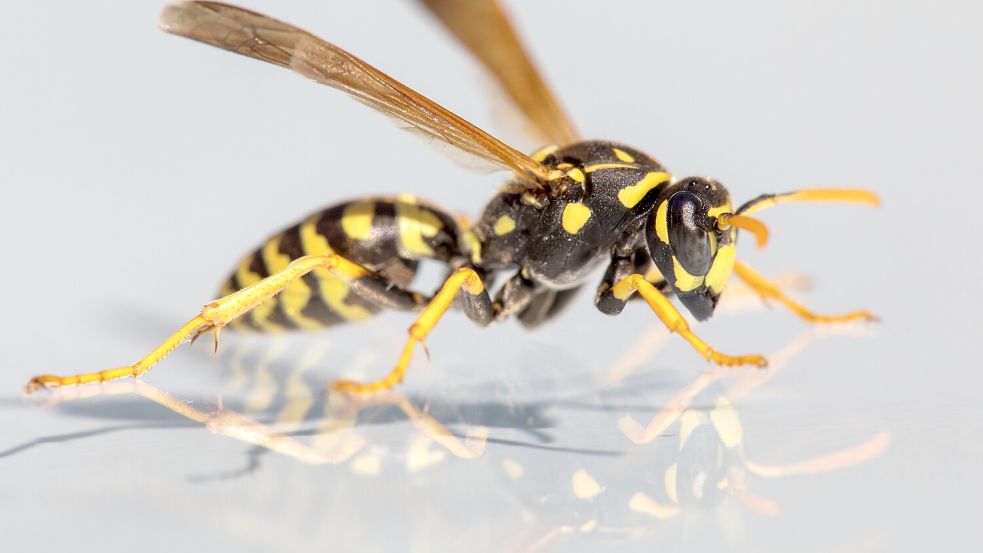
620	268
623	289
768	290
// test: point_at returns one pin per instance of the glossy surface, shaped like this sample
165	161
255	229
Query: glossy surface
133	177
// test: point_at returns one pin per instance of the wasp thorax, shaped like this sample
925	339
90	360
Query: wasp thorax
687	245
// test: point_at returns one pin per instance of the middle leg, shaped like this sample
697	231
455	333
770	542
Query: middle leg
477	303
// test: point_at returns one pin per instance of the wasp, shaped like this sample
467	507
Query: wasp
567	209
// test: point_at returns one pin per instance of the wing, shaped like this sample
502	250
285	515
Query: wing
483	27
257	36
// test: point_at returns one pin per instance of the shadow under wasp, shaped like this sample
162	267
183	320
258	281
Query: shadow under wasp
568	208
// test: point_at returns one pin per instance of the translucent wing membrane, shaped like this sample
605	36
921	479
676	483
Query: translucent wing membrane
485	30
257	36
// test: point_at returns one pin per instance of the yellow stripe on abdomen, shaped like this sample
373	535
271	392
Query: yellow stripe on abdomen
333	290
297	294
261	313
416	225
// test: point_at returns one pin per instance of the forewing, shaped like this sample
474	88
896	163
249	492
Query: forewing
485	30
258	36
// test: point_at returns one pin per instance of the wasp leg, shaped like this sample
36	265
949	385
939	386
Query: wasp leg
476	301
545	305
674	321
213	317
669	413
619	269
767	290
514	296
837	460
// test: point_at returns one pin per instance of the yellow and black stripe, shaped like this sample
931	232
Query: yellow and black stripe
387	236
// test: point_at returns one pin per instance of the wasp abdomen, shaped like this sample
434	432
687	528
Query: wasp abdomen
385	235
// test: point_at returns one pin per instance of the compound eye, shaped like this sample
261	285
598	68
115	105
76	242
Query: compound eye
692	244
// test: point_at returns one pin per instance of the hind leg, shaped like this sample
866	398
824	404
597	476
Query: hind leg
223	311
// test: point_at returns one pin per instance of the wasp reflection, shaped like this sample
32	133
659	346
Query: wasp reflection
280	408
689	458
634	457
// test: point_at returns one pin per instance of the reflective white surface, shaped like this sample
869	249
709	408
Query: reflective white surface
137	167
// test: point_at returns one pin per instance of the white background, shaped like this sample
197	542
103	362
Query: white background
136	168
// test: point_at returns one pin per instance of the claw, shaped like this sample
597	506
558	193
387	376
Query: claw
34	385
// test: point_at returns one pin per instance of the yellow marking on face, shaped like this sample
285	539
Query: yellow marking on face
670	482
473	245
662	222
575	216
333	290
245	277
543	153
577	175
415	225
722	267
629	196
584	486
356	219
623	155
504	225
685	281
297	294
715	212
599	166
728	425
